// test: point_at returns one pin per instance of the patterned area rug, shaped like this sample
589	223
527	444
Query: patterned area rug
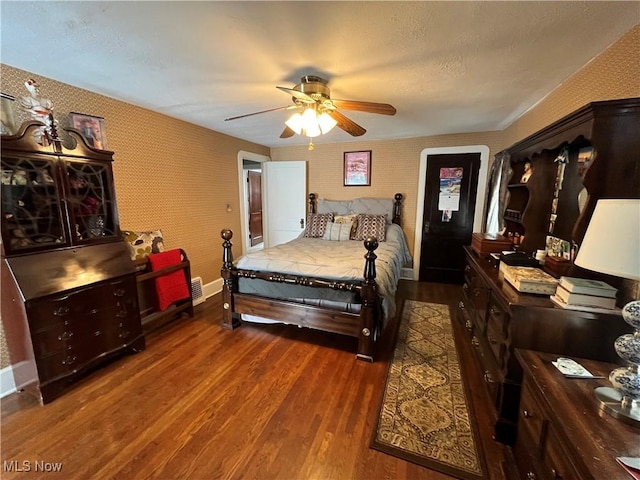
424	416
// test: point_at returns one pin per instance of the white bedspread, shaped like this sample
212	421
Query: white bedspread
343	260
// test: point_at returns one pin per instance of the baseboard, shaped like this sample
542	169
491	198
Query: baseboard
407	273
211	288
7	384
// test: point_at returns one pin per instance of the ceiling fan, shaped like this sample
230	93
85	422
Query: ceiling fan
313	93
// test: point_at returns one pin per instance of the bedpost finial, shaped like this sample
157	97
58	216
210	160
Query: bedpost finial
226	234
312	196
371	243
398	197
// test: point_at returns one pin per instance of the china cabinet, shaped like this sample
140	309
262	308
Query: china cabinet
559	173
69	299
498	319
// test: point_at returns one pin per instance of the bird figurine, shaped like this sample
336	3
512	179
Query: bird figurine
40	109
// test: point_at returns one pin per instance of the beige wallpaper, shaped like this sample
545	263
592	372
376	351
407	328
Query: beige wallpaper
169	174
394	168
613	74
179	177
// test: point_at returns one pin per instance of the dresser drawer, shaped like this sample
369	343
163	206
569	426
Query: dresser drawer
556	460
70	307
476	300
498	333
116	323
531	421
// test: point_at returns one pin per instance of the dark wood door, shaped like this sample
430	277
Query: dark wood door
449	208
254	181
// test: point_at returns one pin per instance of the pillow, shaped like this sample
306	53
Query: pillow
374	206
351	218
337	231
371	226
340	207
141	244
317	224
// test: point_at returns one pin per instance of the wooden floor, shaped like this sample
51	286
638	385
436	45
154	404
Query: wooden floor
261	402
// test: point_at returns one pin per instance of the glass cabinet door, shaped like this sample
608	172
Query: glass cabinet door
91	201
32	217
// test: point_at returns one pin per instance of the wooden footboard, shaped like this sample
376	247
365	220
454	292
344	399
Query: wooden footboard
365	326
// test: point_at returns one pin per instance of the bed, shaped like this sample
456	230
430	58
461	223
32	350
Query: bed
338	276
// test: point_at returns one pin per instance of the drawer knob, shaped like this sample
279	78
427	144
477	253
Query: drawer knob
69	360
468	325
467	268
465	287
475	342
488	377
493	311
61	311
527	414
461	305
124	334
65	336
119	292
476	292
531	476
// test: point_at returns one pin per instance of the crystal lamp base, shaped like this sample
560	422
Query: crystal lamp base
624	409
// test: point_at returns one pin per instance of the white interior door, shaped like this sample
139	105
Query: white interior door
284	200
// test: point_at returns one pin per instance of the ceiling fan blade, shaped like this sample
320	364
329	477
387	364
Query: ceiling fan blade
371	107
288	107
287	132
349	126
303	97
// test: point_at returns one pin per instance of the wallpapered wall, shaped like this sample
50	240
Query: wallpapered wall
394	168
169	174
179	177
395	164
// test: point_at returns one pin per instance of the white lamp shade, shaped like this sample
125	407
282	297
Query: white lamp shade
611	244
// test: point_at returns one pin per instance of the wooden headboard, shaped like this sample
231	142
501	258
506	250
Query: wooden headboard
397	203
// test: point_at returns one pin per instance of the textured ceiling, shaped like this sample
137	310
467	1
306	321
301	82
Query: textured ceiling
448	67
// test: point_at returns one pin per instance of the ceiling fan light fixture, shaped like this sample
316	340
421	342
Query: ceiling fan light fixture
326	122
295	123
310	124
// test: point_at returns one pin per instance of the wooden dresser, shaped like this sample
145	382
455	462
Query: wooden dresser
561	431
69	299
499	319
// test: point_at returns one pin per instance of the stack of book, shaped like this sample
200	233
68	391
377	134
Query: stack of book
584	294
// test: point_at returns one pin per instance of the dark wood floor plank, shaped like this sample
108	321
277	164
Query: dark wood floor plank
259	402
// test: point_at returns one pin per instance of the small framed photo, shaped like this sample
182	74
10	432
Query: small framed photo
357	169
7	116
92	129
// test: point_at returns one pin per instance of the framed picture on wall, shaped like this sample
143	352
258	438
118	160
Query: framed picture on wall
92	129
357	168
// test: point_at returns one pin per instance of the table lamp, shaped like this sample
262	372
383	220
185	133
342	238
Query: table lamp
611	245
